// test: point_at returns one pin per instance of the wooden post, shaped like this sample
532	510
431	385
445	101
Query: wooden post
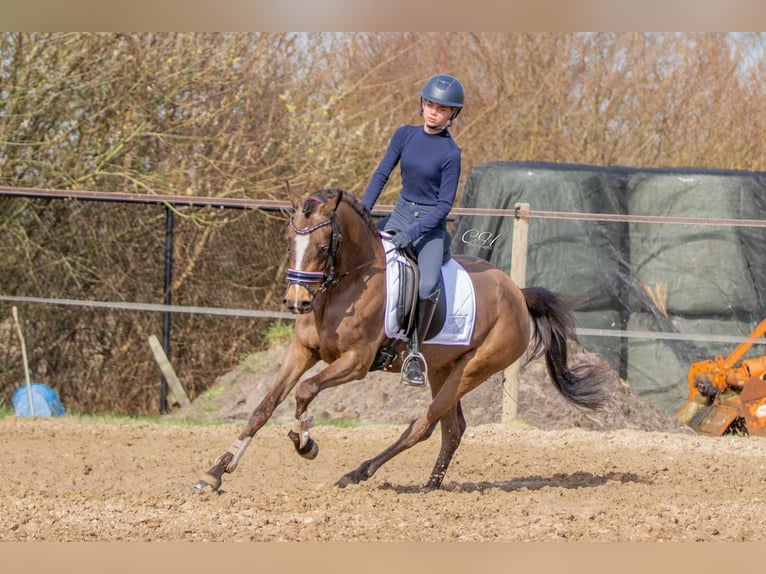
174	385
519	276
15	315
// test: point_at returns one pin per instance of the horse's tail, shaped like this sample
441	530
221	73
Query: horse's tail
553	329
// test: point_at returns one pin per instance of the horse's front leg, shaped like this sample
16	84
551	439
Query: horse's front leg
296	362
343	370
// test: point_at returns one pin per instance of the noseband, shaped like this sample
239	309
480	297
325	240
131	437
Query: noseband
326	278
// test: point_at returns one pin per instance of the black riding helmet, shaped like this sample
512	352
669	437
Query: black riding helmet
445	90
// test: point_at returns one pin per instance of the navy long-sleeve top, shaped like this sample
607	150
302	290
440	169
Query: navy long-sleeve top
430	170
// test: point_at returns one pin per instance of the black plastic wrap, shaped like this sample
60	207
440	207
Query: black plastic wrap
652	296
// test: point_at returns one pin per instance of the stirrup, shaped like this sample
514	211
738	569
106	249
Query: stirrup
418	358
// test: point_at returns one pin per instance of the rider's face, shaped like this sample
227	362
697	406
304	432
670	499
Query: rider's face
436	115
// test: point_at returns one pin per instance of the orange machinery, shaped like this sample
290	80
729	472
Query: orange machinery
726	398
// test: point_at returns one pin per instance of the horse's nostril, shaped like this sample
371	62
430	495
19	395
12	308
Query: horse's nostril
303	307
298	307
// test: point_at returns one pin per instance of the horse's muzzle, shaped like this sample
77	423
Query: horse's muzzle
298	299
298	307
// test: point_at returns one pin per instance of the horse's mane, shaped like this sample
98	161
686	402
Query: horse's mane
347	198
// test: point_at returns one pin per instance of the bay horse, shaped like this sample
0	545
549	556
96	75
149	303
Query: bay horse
337	290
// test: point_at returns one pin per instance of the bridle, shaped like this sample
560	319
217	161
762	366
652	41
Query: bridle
326	278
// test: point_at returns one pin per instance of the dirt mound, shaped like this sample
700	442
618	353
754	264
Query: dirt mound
380	398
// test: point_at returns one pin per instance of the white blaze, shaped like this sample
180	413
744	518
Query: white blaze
301	244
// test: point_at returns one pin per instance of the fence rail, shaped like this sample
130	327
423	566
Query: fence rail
279	205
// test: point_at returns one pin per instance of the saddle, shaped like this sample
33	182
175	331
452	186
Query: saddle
406	307
407	299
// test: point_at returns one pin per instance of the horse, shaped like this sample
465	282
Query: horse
336	287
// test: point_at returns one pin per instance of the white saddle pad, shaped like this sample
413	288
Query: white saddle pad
458	289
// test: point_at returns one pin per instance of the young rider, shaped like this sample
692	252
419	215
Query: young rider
429	161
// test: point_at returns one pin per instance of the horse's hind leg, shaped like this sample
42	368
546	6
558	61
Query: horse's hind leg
443	405
419	429
461	377
453	426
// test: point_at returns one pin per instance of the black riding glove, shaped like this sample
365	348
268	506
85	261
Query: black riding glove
401	240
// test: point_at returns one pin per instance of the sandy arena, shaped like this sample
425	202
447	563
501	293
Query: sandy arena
626	473
68	480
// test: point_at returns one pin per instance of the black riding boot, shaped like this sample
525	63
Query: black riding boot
412	372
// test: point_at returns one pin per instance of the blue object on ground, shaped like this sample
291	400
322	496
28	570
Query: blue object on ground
45	401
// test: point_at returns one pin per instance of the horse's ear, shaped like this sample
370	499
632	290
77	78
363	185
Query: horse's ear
293	197
334	201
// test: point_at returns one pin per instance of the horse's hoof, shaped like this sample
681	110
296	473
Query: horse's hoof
310	451
207	482
346	480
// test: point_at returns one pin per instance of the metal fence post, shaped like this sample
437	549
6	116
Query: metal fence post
167	301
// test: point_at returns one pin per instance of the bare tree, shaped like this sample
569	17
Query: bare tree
236	115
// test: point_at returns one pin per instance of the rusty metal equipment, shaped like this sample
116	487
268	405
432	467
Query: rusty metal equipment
726	398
